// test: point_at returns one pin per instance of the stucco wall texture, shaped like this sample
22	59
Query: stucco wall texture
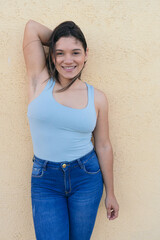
124	62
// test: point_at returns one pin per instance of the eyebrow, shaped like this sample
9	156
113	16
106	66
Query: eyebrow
76	49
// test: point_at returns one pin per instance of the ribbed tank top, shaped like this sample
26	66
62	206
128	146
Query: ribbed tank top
60	133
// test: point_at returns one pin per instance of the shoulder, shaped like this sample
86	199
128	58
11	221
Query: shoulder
101	100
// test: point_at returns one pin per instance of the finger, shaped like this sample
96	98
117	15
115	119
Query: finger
114	215
109	212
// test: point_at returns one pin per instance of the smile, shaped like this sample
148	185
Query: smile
68	69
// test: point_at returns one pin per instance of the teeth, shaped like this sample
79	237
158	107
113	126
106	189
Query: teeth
68	67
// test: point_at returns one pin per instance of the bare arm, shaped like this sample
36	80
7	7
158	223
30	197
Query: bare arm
105	154
35	36
103	145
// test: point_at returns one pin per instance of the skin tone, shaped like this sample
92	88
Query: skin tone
69	59
71	54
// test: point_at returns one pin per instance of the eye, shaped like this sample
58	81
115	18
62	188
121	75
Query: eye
59	53
76	53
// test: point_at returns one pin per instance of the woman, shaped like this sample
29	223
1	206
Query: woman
68	172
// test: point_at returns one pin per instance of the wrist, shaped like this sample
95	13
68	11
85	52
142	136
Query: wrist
110	193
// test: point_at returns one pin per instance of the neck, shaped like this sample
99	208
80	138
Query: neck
64	82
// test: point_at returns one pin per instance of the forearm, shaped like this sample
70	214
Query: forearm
41	32
105	157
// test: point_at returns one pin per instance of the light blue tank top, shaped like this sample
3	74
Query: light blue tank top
60	133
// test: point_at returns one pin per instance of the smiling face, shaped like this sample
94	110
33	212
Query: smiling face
69	57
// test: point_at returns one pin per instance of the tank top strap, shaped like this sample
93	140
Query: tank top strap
50	84
90	95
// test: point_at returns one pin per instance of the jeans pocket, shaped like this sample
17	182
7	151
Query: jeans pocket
91	166
37	169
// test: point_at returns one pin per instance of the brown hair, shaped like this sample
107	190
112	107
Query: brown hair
65	29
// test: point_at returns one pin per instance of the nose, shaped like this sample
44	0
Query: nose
68	59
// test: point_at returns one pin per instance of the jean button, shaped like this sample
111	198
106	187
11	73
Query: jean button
64	165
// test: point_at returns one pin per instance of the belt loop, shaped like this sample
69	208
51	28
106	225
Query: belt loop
45	164
33	158
80	163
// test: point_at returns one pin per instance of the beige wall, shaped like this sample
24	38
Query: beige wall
124	62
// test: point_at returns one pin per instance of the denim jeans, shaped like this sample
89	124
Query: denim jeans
65	197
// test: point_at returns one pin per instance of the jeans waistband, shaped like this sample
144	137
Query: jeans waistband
72	163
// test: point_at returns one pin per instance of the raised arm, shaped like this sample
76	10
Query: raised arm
35	36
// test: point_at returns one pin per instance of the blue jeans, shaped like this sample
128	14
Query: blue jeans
65	197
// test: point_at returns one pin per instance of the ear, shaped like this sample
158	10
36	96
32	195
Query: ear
86	54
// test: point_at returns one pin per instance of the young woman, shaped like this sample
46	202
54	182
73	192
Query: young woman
68	171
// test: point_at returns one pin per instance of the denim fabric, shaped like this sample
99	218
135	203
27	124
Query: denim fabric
65	197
